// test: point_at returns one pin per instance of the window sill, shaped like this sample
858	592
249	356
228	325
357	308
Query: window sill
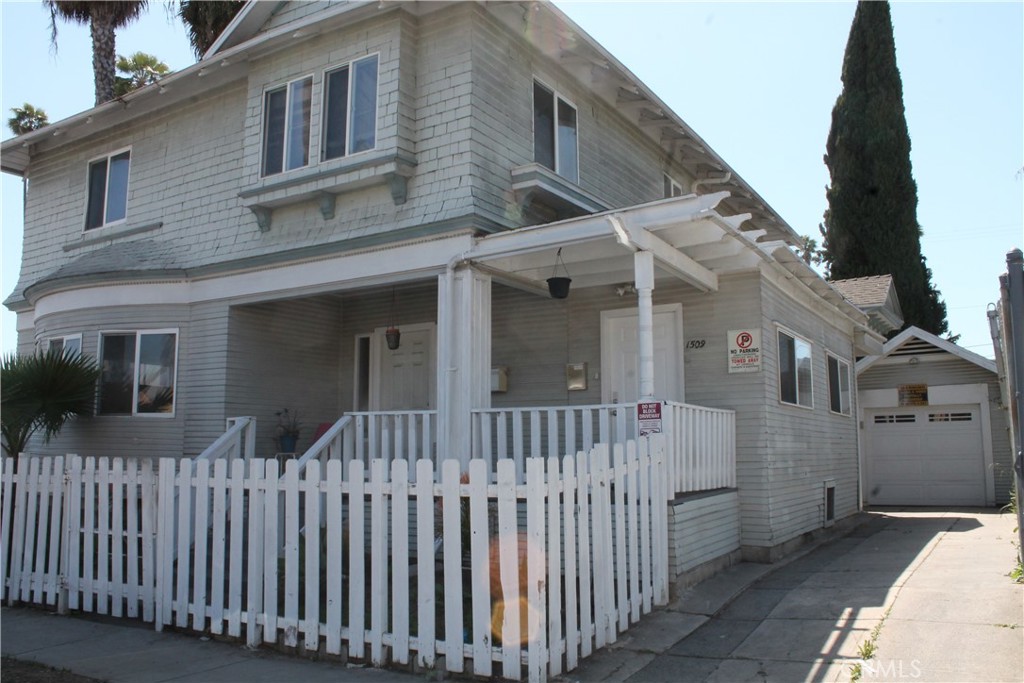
534	183
323	183
105	234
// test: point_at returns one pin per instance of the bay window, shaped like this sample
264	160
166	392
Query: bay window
286	126
137	372
108	190
555	135
350	109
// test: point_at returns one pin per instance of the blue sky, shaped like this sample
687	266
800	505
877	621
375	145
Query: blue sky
756	80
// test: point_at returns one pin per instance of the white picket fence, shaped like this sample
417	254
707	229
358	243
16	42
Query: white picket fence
495	577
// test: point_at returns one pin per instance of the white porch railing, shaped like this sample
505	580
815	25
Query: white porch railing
701	442
365	436
238	441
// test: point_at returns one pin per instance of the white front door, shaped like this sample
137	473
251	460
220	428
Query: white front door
620	382
403	379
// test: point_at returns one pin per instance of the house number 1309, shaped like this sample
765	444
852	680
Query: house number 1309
695	344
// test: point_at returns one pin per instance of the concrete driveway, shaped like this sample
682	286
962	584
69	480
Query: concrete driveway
925	593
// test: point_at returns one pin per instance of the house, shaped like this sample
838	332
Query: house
935	428
240	237
876	296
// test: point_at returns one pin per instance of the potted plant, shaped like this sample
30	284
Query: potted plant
287	430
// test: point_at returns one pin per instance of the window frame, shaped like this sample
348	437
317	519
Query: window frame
139	333
64	341
556	97
671	184
840	362
106	188
324	121
287	87
780	330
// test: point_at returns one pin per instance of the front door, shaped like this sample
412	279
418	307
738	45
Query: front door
403	379
619	367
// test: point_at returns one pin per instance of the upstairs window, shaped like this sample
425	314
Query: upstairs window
286	125
137	373
108	190
672	187
555	136
795	370
838	385
350	109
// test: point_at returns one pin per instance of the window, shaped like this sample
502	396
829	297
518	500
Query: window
137	373
838	385
350	108
672	187
554	133
108	190
70	345
286	126
795	370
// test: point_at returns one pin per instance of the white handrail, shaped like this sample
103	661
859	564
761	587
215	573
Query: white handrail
322	448
238	439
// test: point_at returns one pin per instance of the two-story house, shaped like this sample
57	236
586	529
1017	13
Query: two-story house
240	237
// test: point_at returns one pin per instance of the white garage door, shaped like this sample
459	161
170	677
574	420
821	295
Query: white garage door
925	456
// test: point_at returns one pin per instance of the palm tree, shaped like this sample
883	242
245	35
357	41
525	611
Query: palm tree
140	70
103	19
26	119
205	20
42	392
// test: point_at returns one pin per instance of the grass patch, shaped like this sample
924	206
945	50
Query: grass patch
868	648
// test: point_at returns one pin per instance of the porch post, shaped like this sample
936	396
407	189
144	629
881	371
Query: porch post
643	273
464	358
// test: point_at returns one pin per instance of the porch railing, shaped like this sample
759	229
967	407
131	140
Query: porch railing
701	442
365	436
237	441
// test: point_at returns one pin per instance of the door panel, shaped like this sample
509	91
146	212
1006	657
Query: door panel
621	382
405	377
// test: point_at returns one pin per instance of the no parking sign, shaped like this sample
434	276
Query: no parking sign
744	350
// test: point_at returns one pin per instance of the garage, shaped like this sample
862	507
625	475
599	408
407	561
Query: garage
933	425
930	455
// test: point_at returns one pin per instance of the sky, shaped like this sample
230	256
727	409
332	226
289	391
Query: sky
756	80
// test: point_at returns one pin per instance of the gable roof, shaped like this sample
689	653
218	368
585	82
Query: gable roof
914	341
876	296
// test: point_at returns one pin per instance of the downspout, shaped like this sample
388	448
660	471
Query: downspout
711	181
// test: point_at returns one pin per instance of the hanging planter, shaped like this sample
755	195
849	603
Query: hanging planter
558	286
393	337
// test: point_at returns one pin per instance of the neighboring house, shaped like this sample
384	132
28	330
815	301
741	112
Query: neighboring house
934	425
876	296
238	239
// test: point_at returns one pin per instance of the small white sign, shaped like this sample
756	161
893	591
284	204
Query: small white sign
648	418
744	350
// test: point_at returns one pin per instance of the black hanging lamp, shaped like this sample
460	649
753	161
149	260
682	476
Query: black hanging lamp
392	335
558	287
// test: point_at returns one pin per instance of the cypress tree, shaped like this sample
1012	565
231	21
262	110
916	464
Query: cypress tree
871	223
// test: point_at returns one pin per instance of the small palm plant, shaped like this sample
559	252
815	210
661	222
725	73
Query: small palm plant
41	392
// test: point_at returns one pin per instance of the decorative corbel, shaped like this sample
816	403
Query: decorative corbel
328	201
399	186
263	216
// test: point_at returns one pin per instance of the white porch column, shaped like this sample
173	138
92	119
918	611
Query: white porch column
464	358
643	273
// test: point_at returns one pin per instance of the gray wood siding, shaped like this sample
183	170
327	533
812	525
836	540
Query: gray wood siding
951	370
121	435
804	446
701	529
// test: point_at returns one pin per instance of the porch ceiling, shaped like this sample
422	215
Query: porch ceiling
689	240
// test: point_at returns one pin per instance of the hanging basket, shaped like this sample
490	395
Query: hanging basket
393	337
558	287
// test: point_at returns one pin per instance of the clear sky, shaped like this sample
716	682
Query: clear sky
757	81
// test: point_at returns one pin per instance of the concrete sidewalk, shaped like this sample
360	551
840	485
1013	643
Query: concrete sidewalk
927	589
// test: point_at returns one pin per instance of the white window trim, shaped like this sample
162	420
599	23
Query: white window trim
135	380
287	104
106	187
849	381
348	110
64	339
673	184
557	95
778	369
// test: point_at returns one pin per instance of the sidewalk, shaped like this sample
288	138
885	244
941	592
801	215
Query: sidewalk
927	588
